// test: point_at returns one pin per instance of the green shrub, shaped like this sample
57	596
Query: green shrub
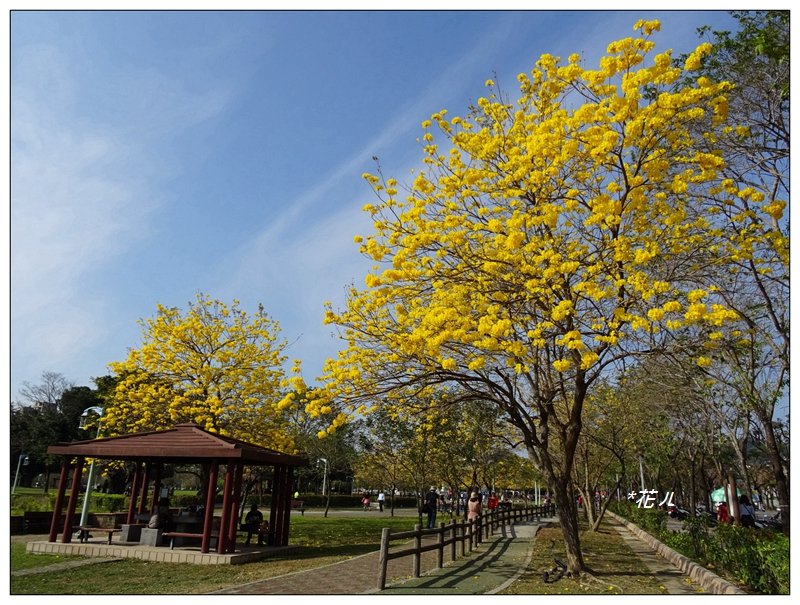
652	520
755	558
337	501
31	502
697	530
759	559
773	556
184	499
109	503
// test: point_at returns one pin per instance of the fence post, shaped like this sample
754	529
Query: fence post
417	547
440	552
453	537
384	560
472	526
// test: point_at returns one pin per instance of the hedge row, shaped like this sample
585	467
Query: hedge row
337	501
111	503
757	558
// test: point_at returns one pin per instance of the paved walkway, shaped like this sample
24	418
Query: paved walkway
495	561
668	575
489	570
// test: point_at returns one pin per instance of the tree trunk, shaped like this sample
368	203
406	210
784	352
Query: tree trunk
568	516
781	482
601	513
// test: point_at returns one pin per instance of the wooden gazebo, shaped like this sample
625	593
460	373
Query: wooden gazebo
183	444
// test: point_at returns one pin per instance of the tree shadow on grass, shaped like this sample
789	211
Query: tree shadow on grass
317	552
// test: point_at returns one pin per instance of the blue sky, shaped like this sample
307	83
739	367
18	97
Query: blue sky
155	155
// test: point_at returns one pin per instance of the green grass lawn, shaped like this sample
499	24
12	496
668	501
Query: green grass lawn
20	559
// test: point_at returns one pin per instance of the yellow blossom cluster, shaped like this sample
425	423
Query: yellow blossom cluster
213	365
547	234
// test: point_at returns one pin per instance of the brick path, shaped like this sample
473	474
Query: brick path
353	576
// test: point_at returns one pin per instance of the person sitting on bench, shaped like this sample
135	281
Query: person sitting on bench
163	518
253	522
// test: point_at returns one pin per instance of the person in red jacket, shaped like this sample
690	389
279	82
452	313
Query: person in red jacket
722	513
492	502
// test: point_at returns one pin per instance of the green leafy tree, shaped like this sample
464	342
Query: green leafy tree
749	208
50	414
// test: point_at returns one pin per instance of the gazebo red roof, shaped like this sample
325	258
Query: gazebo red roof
184	443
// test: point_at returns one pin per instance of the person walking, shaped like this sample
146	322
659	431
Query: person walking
381	498
722	513
474	506
747	511
431	504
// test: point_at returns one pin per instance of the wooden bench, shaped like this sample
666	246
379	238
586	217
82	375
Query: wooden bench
299	505
85	531
183	534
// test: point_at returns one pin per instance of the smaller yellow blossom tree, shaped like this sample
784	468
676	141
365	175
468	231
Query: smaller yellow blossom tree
214	365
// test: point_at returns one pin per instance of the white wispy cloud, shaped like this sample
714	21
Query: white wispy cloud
84	192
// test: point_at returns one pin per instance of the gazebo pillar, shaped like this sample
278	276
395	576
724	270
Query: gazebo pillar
280	509
145	484
59	505
211	492
275	516
227	500
66	535
233	524
286	495
134	493
156	487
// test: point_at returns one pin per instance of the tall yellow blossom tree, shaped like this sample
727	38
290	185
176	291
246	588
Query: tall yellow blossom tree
547	240
214	365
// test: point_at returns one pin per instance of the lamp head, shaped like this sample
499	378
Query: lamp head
87	413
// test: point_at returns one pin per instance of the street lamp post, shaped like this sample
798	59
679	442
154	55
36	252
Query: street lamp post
324	474
90	478
23	461
641	469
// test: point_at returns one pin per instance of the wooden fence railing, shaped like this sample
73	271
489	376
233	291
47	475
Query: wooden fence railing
469	534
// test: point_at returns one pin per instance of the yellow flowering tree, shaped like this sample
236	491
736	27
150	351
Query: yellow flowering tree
214	365
545	241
